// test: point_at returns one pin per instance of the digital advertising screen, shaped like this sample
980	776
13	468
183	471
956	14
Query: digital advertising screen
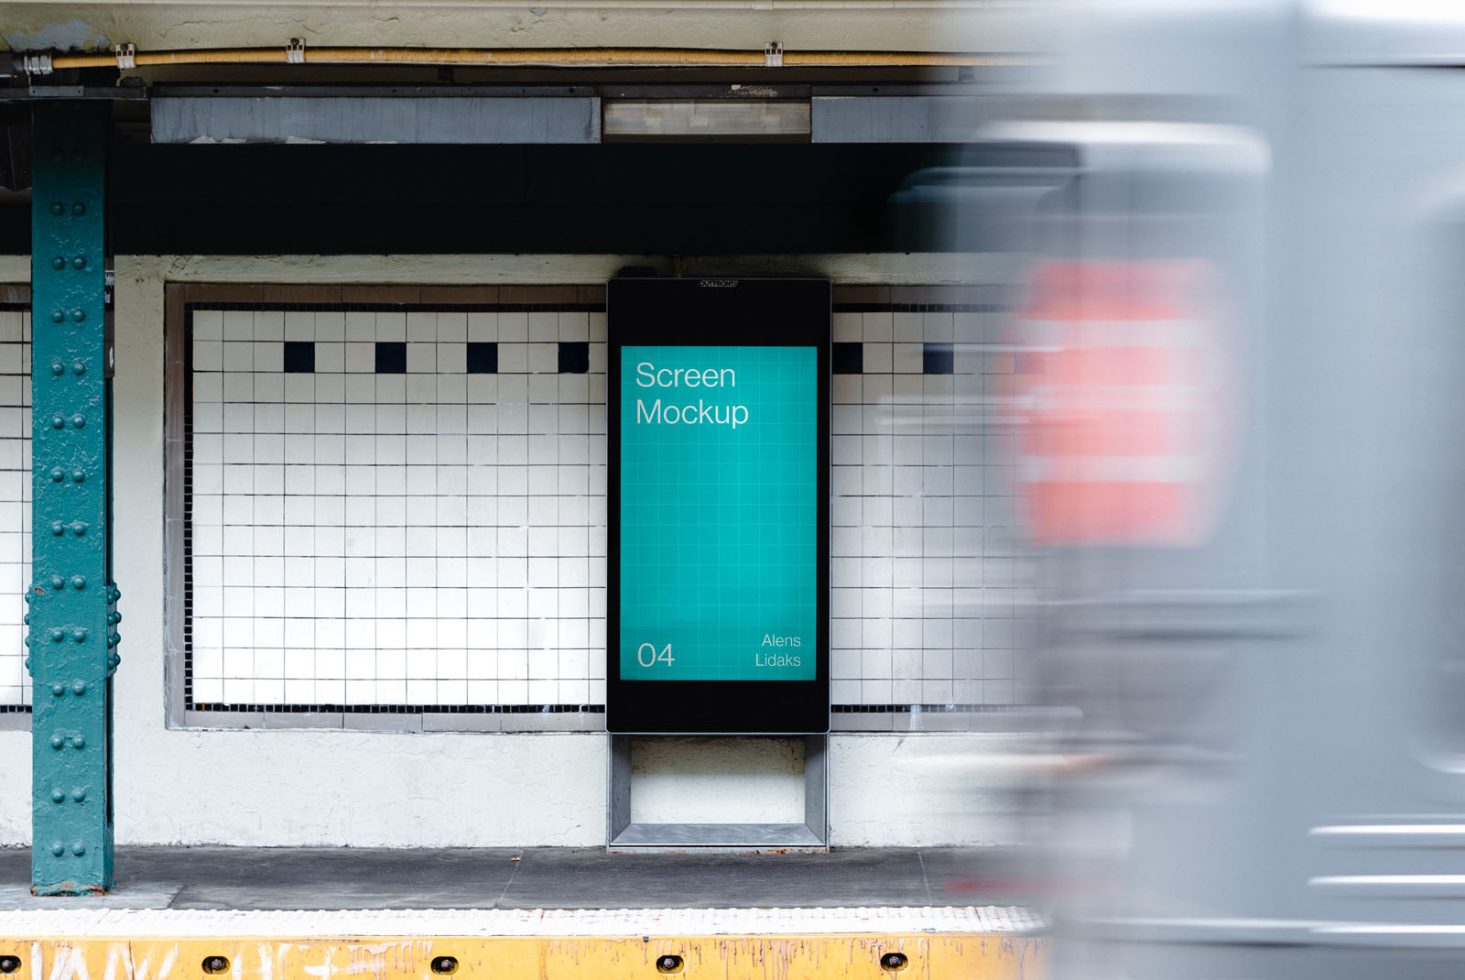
718	395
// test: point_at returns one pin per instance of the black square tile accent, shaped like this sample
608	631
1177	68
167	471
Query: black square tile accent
937	359
299	357
391	357
574	357
483	357
849	358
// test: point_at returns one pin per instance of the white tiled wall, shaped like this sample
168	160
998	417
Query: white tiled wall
15	495
438	537
427	538
927	587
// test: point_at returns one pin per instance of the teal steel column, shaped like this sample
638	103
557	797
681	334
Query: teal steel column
72	601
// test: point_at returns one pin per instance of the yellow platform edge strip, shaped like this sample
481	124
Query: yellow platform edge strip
965	956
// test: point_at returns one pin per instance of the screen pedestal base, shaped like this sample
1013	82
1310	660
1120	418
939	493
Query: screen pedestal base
811	835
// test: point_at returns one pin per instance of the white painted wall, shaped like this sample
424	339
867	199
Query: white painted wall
445	789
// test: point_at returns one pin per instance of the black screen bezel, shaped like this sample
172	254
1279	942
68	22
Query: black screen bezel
716	312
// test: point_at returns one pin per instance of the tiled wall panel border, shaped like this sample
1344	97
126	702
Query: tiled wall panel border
951	355
181	299
15	300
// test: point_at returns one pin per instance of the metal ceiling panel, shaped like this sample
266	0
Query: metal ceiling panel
376	119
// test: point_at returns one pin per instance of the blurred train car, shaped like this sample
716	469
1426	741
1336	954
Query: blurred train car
1239	411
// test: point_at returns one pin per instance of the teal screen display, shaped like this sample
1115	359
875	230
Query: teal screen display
719	507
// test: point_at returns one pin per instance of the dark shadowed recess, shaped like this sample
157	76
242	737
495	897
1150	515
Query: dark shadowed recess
609	198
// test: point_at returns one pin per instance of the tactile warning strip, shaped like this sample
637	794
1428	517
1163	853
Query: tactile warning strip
725	944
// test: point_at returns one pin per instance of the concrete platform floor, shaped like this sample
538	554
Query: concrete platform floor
537	878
